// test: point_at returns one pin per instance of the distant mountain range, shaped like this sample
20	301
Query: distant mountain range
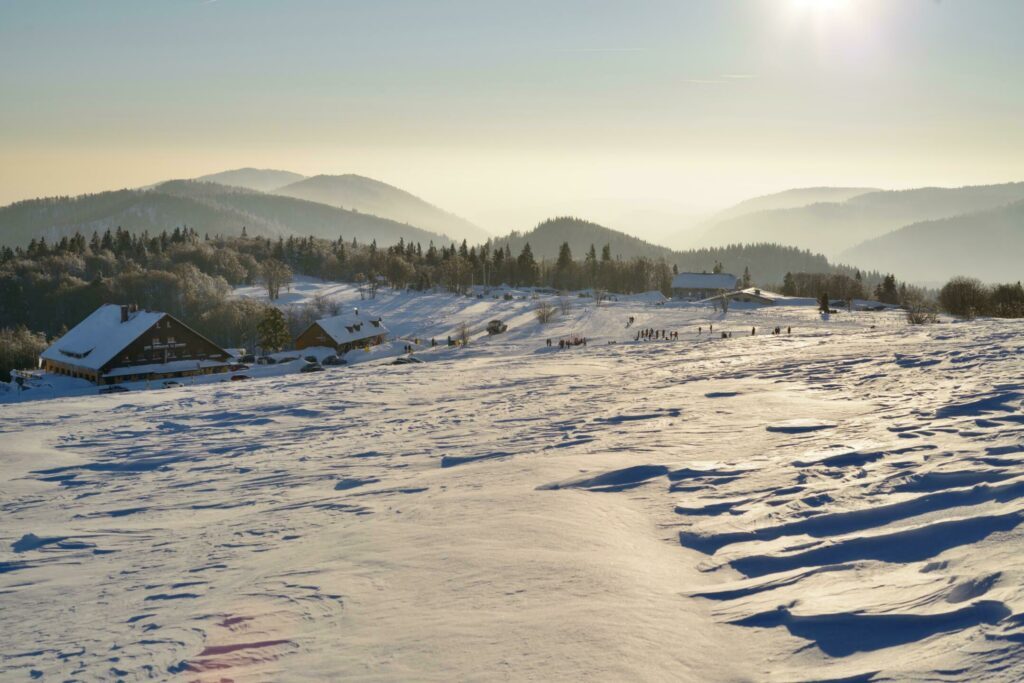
207	207
356	193
790	199
988	245
888	230
367	195
768	263
924	235
259	179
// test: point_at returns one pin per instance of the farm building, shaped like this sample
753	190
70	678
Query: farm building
752	295
344	332
697	286
123	343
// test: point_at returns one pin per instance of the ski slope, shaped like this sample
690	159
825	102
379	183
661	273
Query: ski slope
839	503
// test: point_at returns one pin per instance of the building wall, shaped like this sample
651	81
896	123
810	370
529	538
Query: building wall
167	340
314	335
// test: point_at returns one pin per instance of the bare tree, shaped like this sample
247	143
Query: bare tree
275	274
565	304
463	334
920	311
599	296
545	312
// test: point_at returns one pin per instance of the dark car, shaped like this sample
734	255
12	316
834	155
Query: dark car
496	327
239	378
334	360
248	358
266	360
114	389
311	359
287	359
311	367
405	360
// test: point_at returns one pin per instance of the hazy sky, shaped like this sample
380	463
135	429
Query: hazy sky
627	112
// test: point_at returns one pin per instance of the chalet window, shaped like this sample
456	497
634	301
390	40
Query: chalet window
156	341
170	340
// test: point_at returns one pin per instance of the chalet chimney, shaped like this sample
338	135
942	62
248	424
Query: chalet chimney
124	314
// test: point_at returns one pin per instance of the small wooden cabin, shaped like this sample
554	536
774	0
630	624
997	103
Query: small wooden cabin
344	332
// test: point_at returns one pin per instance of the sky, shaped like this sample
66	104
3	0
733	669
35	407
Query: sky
641	114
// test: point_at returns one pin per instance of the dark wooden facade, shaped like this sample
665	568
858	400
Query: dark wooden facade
314	335
166	341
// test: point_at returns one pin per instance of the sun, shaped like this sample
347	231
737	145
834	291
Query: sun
822	11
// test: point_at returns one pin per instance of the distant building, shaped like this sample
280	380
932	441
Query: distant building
123	343
344	332
697	286
752	295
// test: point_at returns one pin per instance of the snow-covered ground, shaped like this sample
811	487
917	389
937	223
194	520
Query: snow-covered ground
842	502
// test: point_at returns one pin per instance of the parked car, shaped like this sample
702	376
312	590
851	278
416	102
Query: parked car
312	359
496	327
334	360
239	378
287	359
405	360
170	383
266	360
311	367
114	389
248	358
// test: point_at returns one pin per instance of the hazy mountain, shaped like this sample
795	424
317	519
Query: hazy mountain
207	207
546	239
988	245
768	263
263	180
832	227
791	199
367	195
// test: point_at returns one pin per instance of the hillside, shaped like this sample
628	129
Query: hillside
263	180
367	195
845	500
791	199
547	238
987	245
833	227
768	263
207	207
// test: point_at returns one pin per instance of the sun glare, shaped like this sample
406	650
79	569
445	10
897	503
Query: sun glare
821	6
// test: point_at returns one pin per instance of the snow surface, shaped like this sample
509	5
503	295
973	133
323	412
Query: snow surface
844	502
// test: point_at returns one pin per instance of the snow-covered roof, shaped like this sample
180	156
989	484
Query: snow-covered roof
756	291
344	329
96	340
725	281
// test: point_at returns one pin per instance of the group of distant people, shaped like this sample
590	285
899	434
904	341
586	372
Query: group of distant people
566	342
651	333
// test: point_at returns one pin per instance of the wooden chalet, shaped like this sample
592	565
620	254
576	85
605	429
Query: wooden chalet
344	333
123	343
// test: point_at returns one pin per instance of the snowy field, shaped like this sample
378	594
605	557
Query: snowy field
843	502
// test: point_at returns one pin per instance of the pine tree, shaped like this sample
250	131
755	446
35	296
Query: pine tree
272	330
